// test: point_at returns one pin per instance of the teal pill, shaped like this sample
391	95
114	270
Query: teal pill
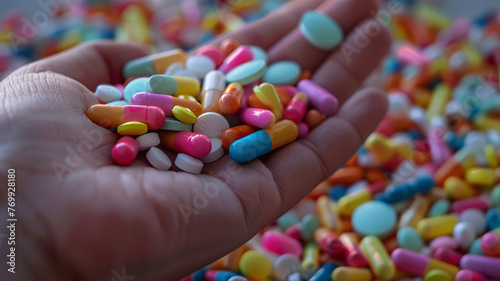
283	73
118	102
308	226
408	238
287	220
258	53
475	248
139	67
247	73
495	196
135	86
176	125
320	30
439	208
162	84
374	218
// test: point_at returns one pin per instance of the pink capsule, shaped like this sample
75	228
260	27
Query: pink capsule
490	243
125	151
303	130
488	266
290	90
353	255
297	108
239	56
281	244
458	30
165	102
256	117
469	275
443	242
447	255
411	55
196	145
440	152
479	202
419	264
294	232
213	52
319	97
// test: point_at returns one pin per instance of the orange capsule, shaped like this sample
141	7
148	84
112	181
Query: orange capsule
393	82
254	102
314	118
374	175
320	190
230	100
347	175
306	74
420	158
228	46
235	133
284	97
353	161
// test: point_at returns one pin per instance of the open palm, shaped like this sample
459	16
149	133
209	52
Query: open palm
80	217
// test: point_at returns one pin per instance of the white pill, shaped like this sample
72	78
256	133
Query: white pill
200	65
108	93
476	219
216	152
173	69
285	265
186	73
398	103
464	234
188	163
158	159
147	141
211	124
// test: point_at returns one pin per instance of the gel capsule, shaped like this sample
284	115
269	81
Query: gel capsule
230	100
419	264
239	56
378	258
154	64
165	102
189	143
260	118
112	116
125	151
235	133
320	98
353	255
296	109
213	85
264	141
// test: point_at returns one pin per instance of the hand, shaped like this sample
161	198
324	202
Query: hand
80	217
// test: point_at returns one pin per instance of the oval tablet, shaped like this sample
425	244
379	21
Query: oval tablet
320	30
108	93
283	73
216	152
147	141
158	159
374	218
188	163
184	114
258	53
135	86
247	73
132	128
211	124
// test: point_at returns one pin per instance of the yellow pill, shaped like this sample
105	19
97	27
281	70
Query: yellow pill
267	94
381	147
439	99
437	275
132	128
378	258
255	265
441	268
310	260
430	228
187	86
489	152
484	122
344	273
184	114
349	202
480	176
457	188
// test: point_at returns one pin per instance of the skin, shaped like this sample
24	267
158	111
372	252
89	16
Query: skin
80	217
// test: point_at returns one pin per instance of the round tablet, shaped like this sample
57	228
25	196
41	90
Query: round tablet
132	128
258	53
200	65
374	218
173	68
283	73
158	159
176	125
408	238
211	124
247	73
147	141
320	30
108	93
135	86
188	163
216	152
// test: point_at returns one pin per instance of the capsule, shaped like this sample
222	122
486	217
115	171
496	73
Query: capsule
456	188
112	116
154	64
469	275
447	255
420	264
187	86
260	118
189	143
319	97
235	133
267	94
230	100
165	102
296	109
349	202
378	258
353	255
324	273
281	244
383	150
125	151
478	202
264	141
213	86
330	243
253	101
455	166
228	46
310	262
490	243
238	57
484	265
415	212
327	213
431	228
345	273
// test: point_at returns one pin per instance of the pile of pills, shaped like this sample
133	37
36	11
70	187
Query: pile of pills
241	105
420	200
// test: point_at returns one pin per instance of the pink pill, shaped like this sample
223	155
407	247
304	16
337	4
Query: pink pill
297	108
479	202
256	117
447	255
488	266
125	151
294	232
192	144
469	275
440	152
319	97
443	242
458	30
303	130
411	55
409	261
165	102
281	244
239	56
213	52
489	243
290	90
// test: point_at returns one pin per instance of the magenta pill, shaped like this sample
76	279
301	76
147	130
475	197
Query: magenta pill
125	151
319	97
281	244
